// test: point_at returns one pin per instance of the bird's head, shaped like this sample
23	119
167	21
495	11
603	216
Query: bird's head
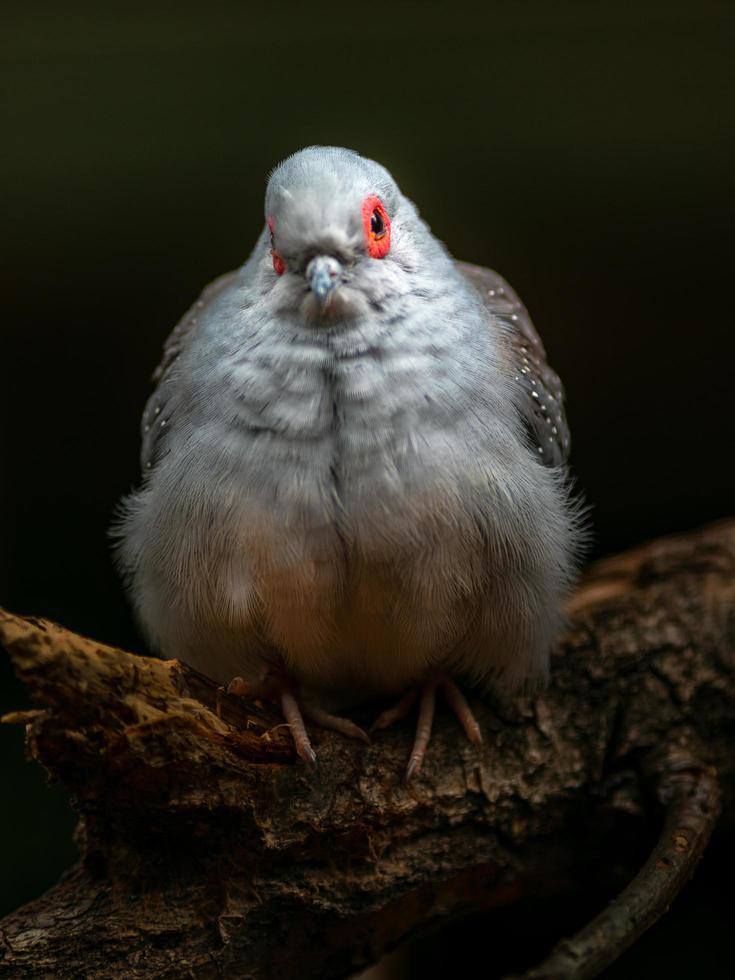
335	242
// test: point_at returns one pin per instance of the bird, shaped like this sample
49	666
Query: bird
355	476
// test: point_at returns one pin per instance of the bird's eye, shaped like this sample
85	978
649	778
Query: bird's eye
376	223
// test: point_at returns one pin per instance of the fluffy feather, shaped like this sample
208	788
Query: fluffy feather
359	495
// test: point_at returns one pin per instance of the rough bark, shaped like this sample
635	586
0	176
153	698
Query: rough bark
208	850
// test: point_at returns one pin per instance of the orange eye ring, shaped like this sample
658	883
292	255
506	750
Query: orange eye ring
278	264
376	224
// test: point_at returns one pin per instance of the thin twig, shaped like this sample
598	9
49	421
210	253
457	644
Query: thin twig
691	795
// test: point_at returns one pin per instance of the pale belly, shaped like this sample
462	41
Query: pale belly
358	583
360	594
370	606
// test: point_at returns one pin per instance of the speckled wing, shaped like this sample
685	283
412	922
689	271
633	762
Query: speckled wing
156	413
540	389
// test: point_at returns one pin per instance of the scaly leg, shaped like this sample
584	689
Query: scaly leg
277	687
397	712
427	704
456	701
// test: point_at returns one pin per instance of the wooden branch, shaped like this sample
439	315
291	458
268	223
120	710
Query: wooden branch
209	850
692	799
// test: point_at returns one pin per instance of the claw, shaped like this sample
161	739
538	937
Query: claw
456	701
398	711
293	716
337	724
423	730
274	686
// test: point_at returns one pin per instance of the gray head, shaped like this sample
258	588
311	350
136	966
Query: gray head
342	236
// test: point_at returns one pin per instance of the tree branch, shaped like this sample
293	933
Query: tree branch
692	799
208	849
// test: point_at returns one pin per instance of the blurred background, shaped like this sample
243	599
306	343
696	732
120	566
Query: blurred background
585	151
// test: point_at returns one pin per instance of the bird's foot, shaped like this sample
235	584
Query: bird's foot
277	687
427	702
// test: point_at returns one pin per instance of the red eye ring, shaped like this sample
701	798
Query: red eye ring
278	264
376	224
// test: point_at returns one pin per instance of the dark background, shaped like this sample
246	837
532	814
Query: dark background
583	150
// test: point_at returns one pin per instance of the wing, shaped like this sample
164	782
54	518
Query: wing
156	413
541	393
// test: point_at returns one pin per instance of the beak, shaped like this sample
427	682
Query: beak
323	274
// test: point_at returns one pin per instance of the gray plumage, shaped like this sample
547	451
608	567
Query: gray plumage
364	490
